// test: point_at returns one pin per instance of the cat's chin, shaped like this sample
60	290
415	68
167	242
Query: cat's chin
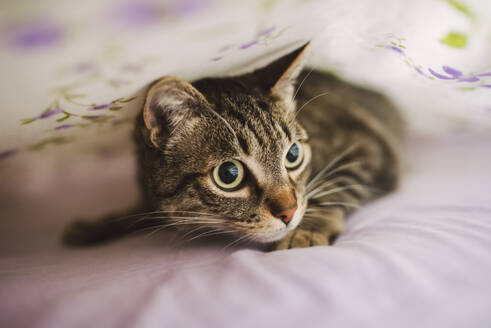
269	238
276	235
282	232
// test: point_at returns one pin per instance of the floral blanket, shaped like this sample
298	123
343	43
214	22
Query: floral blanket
73	76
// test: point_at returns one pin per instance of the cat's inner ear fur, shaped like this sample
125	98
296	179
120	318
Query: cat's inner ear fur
280	76
170	104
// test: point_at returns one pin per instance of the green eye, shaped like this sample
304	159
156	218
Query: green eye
294	156
228	175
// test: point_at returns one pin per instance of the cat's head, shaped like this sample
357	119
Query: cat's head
229	147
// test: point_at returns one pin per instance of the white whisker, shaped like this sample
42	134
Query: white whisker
178	218
161	212
309	101
209	233
342	167
322	186
155	231
194	230
335	203
335	190
173	224
332	163
312	216
300	85
235	242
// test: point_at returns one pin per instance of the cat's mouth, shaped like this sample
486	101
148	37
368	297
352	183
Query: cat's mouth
277	229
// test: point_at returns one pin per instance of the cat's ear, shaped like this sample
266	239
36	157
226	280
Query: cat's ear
170	103
279	76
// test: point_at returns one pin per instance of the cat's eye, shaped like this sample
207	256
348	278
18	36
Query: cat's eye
228	175
294	156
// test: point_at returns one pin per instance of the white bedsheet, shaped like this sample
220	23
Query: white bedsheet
419	258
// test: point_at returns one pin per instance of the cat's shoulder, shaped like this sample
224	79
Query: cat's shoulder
342	98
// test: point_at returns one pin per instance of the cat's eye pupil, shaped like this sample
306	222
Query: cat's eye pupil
228	172
293	153
229	175
294	156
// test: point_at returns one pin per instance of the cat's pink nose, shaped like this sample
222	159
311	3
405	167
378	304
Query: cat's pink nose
286	215
283	205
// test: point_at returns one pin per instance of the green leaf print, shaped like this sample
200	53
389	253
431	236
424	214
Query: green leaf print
454	39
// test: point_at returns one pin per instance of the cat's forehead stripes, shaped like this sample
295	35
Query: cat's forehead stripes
257	129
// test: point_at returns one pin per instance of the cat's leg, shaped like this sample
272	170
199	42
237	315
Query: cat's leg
86	233
329	205
321	228
363	175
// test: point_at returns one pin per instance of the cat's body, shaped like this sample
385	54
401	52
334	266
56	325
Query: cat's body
351	116
193	139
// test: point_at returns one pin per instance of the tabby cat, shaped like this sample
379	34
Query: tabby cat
234	155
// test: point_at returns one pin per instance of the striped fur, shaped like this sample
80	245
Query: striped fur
350	136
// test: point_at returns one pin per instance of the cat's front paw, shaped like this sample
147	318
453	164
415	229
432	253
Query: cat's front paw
301	238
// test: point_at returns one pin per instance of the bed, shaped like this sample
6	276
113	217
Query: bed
72	83
420	257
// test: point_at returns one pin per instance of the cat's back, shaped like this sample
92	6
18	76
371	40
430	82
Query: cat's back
328	100
338	115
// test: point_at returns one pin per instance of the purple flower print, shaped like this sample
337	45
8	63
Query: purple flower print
190	7
225	48
98	118
222	50
47	113
267	31
139	13
262	33
103	106
440	76
35	35
100	107
144	13
248	45
469	79
50	112
113	106
457	75
451	71
420	72
64	126
8	153
453	74
395	49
